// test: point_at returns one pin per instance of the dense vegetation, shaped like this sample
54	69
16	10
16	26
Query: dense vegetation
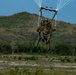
18	35
38	71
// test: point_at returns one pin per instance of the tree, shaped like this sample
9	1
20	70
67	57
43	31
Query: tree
14	46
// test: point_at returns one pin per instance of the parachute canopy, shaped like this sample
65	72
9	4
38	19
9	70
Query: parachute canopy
38	2
60	3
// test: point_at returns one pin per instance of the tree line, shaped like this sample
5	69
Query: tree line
11	47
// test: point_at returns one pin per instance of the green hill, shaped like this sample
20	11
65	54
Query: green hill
18	26
22	26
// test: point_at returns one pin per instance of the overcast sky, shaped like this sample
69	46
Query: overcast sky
10	7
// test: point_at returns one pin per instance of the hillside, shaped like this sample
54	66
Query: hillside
22	26
18	26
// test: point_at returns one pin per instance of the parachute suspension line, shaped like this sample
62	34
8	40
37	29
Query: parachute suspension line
38	2
41	3
39	19
58	4
55	21
66	3
62	3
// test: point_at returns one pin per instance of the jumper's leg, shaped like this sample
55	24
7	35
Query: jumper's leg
38	40
36	43
49	45
48	42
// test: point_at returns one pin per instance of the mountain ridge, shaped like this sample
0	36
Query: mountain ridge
23	25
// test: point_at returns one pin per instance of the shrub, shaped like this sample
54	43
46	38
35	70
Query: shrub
61	49
14	57
75	60
31	58
39	72
65	60
19	58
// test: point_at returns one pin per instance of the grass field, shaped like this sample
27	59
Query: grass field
35	72
35	64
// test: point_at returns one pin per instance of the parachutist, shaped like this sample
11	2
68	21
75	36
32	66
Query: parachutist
45	29
44	33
